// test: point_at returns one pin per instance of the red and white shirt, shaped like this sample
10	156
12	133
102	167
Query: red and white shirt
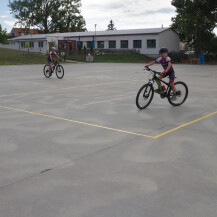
164	62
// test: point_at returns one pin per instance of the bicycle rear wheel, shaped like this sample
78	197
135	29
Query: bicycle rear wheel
145	96
46	71
59	71
181	94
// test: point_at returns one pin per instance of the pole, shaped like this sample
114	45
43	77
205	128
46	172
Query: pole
95	41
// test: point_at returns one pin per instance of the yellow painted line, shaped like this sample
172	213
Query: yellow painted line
184	125
78	122
109	128
67	88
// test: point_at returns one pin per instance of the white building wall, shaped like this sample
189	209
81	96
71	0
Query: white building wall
16	45
170	39
167	38
130	38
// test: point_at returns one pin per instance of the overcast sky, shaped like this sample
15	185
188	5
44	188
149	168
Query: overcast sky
126	14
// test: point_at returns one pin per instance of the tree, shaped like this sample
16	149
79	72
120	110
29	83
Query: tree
111	26
195	22
3	35
49	15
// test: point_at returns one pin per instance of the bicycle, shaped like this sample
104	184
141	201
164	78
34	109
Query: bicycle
146	92
55	66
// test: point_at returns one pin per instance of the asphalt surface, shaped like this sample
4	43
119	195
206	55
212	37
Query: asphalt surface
79	147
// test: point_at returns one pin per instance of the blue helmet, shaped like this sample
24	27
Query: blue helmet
163	50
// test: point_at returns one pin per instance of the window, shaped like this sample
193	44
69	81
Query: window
100	44
137	44
22	44
40	44
112	44
89	43
151	43
31	44
63	45
124	44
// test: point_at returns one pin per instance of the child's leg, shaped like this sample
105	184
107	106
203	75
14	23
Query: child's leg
173	87
158	89
160	78
49	67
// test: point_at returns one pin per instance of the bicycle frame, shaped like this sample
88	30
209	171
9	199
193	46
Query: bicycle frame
54	65
158	81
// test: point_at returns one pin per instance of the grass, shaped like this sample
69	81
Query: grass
112	58
15	57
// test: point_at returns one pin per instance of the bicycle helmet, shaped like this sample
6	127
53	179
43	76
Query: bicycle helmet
163	50
53	48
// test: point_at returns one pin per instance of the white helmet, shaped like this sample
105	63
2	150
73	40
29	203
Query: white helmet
53	48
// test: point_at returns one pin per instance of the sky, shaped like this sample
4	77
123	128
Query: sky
126	14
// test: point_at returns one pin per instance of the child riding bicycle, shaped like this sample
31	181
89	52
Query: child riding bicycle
50	58
165	61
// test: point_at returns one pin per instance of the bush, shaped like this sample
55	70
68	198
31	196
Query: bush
176	56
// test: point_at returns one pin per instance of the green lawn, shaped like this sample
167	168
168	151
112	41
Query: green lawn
113	58
14	57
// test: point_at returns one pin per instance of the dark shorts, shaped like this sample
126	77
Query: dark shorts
49	60
171	75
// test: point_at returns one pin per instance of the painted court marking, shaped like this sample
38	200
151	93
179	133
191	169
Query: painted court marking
184	125
67	88
109	128
74	121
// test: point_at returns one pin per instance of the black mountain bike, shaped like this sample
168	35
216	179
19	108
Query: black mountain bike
54	67
146	93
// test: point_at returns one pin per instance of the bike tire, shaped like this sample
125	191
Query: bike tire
147	98
179	85
46	73
59	72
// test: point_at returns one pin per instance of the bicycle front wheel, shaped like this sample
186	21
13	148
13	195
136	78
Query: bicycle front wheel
46	71
145	96
181	94
60	72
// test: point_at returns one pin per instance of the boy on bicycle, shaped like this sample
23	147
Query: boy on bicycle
50	58
168	70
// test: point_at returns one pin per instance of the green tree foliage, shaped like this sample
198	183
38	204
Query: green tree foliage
111	26
3	35
49	15
195	22
52	44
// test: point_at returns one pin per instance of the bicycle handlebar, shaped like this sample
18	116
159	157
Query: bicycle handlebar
155	72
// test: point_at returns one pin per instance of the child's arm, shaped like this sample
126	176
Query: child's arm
169	66
59	57
51	57
150	64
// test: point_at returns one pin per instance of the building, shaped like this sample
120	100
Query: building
17	32
144	41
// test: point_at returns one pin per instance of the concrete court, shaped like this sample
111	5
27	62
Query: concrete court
72	147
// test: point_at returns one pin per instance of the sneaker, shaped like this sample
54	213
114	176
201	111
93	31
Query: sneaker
173	98
157	91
